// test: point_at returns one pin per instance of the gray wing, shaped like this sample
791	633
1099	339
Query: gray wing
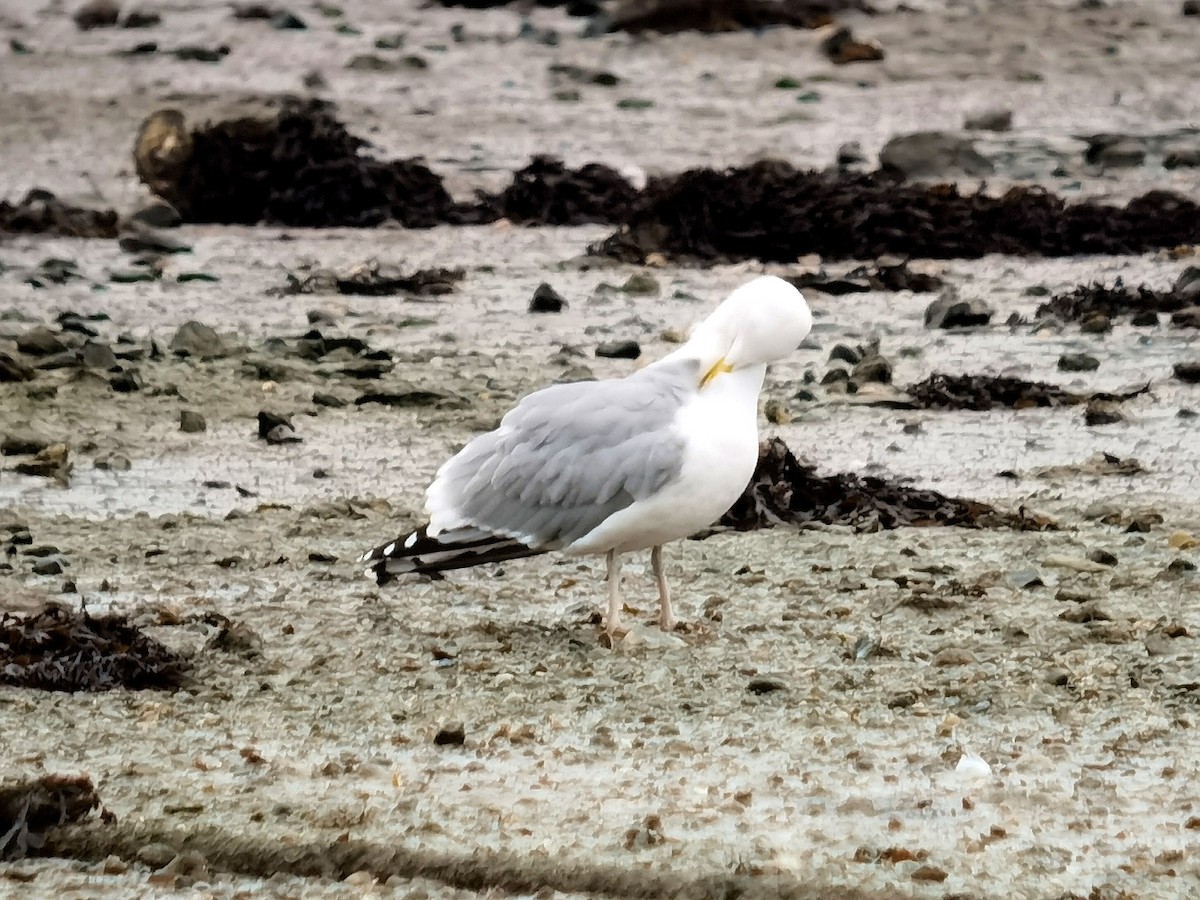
568	457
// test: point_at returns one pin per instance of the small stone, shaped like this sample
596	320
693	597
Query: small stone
156	855
640	283
1024	579
97	14
933	154
953	656
97	355
1145	319
765	686
1103	557
1112	151
276	429
1077	362
453	734
872	369
191	422
990	120
139	19
50	565
546	300
1191	8
929	874
40	341
53	461
138	238
198	340
1097	323
14	369
619	350
157	213
841	47
1102	412
23	443
948	311
1187	372
126	382
369	62
845	353
328	400
1182	158
287	21
1181	540
850	154
113	462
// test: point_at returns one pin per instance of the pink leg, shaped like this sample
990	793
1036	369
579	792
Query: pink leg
613	621
666	617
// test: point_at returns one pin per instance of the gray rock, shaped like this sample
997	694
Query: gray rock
872	369
931	154
845	353
23	443
1147	318
452	734
1188	372
97	14
191	422
276	429
328	400
949	311
157	213
97	355
1103	557
198	340
1097	323
113	462
50	565
850	154
1188	283
619	350
990	120
1102	412
14	369
1191	7
1181	158
639	283
1077	362
40	341
1114	151
140	239
546	300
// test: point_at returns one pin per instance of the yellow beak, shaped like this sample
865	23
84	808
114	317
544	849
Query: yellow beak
719	368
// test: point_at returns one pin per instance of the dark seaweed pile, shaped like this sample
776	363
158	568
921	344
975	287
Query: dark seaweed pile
546	192
58	649
299	167
983	392
1119	300
774	212
784	491
673	16
40	212
30	807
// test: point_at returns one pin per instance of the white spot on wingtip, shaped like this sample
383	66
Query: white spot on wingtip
389	549
410	542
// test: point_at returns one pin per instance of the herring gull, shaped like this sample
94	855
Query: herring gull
609	467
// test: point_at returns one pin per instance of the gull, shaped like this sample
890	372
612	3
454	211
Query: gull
611	467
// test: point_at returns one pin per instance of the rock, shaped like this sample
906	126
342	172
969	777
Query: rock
639	283
156	855
1188	372
64	360
97	14
546	300
990	120
1103	557
40	341
197	340
23	443
1097	323
276	429
1182	158
1188	283
948	311
872	369
191	422
139	19
13	369
1102	412
452	734
287	21
1191	7
841	47
50	565
328	400
157	213
97	355
1146	319
1077	362
369	62
1187	318
933	154
413	397
1024	579
137	238
126	382
193	53
113	462
850	154
845	353
1114	151
53	461
619	350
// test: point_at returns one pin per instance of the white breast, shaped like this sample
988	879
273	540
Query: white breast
721	430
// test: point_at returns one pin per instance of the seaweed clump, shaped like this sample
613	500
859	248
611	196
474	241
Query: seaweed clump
32	806
40	212
58	649
773	212
783	491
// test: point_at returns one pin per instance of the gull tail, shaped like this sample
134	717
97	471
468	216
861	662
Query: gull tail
458	549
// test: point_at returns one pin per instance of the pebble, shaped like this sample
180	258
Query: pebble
191	422
546	300
23	443
276	429
452	734
639	283
126	382
156	855
197	339
1103	557
137	238
320	398
619	350
933	154
1102	412
113	462
990	120
1077	362
1097	323
50	565
948	311
97	14
40	341
1188	372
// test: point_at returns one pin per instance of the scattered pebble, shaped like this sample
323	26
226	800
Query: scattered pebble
191	422
619	350
97	14
546	300
453	734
